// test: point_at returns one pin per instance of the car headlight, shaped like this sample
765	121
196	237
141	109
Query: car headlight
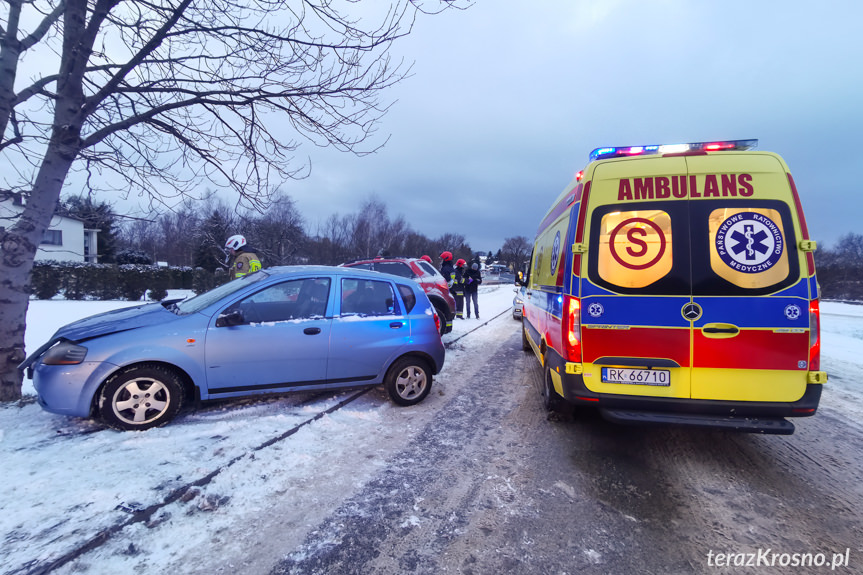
65	353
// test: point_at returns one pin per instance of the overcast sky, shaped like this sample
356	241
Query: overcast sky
509	97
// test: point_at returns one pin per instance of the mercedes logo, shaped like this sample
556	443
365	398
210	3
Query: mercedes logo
691	311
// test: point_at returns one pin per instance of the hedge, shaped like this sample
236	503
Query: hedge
78	280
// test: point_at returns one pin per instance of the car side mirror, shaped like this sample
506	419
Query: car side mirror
231	318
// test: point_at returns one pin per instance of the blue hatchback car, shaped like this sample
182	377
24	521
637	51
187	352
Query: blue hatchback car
277	330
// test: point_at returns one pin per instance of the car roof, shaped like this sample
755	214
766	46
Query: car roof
386	259
331	270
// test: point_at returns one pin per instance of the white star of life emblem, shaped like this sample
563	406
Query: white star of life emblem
792	311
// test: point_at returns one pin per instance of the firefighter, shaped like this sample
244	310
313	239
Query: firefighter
243	259
460	276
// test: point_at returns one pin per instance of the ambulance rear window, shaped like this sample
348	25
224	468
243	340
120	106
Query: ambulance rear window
749	247
709	247
640	248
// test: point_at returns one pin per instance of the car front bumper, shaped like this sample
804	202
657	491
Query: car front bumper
69	389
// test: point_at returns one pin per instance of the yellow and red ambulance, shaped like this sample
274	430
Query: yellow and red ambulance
676	284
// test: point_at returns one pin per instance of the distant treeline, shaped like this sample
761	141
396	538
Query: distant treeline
194	235
840	269
184	248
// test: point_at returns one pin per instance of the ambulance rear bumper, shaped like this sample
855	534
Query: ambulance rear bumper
751	416
766	425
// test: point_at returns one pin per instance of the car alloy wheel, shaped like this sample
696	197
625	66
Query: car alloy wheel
408	381
141	397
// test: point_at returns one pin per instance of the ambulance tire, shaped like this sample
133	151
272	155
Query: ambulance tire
525	345
550	398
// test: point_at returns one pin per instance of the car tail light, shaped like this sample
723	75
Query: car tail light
65	353
571	326
814	335
437	321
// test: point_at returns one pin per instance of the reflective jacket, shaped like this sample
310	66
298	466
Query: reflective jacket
459	277
448	273
244	263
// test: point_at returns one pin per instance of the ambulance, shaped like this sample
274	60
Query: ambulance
675	284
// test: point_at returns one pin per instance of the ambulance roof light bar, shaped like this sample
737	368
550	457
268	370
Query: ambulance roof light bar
626	151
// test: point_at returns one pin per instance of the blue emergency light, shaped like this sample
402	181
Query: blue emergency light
626	151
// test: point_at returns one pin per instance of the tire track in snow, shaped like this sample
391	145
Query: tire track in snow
146	514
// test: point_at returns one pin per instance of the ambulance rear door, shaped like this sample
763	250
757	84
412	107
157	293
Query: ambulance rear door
635	280
750	303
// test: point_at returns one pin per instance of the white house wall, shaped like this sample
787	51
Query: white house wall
72	249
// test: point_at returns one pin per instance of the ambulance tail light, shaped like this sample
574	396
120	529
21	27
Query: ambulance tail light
814	335
571	328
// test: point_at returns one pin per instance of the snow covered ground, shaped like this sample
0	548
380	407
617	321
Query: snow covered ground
66	479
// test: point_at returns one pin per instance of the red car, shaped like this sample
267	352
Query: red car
425	274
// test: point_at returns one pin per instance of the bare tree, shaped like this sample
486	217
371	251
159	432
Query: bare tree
278	235
329	244
153	96
516	251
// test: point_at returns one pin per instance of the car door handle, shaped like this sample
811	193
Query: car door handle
312	331
396	324
720	330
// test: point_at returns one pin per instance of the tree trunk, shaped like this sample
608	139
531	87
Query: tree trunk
19	244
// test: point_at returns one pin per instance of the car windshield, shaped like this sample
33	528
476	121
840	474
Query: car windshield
199	302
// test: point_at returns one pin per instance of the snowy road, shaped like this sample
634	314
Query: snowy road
474	480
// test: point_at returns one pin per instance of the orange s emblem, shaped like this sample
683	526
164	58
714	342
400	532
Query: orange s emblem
635	247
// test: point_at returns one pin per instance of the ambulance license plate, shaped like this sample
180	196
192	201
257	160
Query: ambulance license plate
661	377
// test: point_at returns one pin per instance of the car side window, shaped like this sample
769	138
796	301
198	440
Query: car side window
395	268
367	298
429	268
408	296
295	299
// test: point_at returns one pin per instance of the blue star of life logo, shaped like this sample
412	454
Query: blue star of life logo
595	309
749	242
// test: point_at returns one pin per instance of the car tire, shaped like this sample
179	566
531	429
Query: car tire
442	314
550	398
158	388
408	380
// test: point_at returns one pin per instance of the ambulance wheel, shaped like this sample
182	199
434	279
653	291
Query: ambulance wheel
140	397
408	381
550	398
